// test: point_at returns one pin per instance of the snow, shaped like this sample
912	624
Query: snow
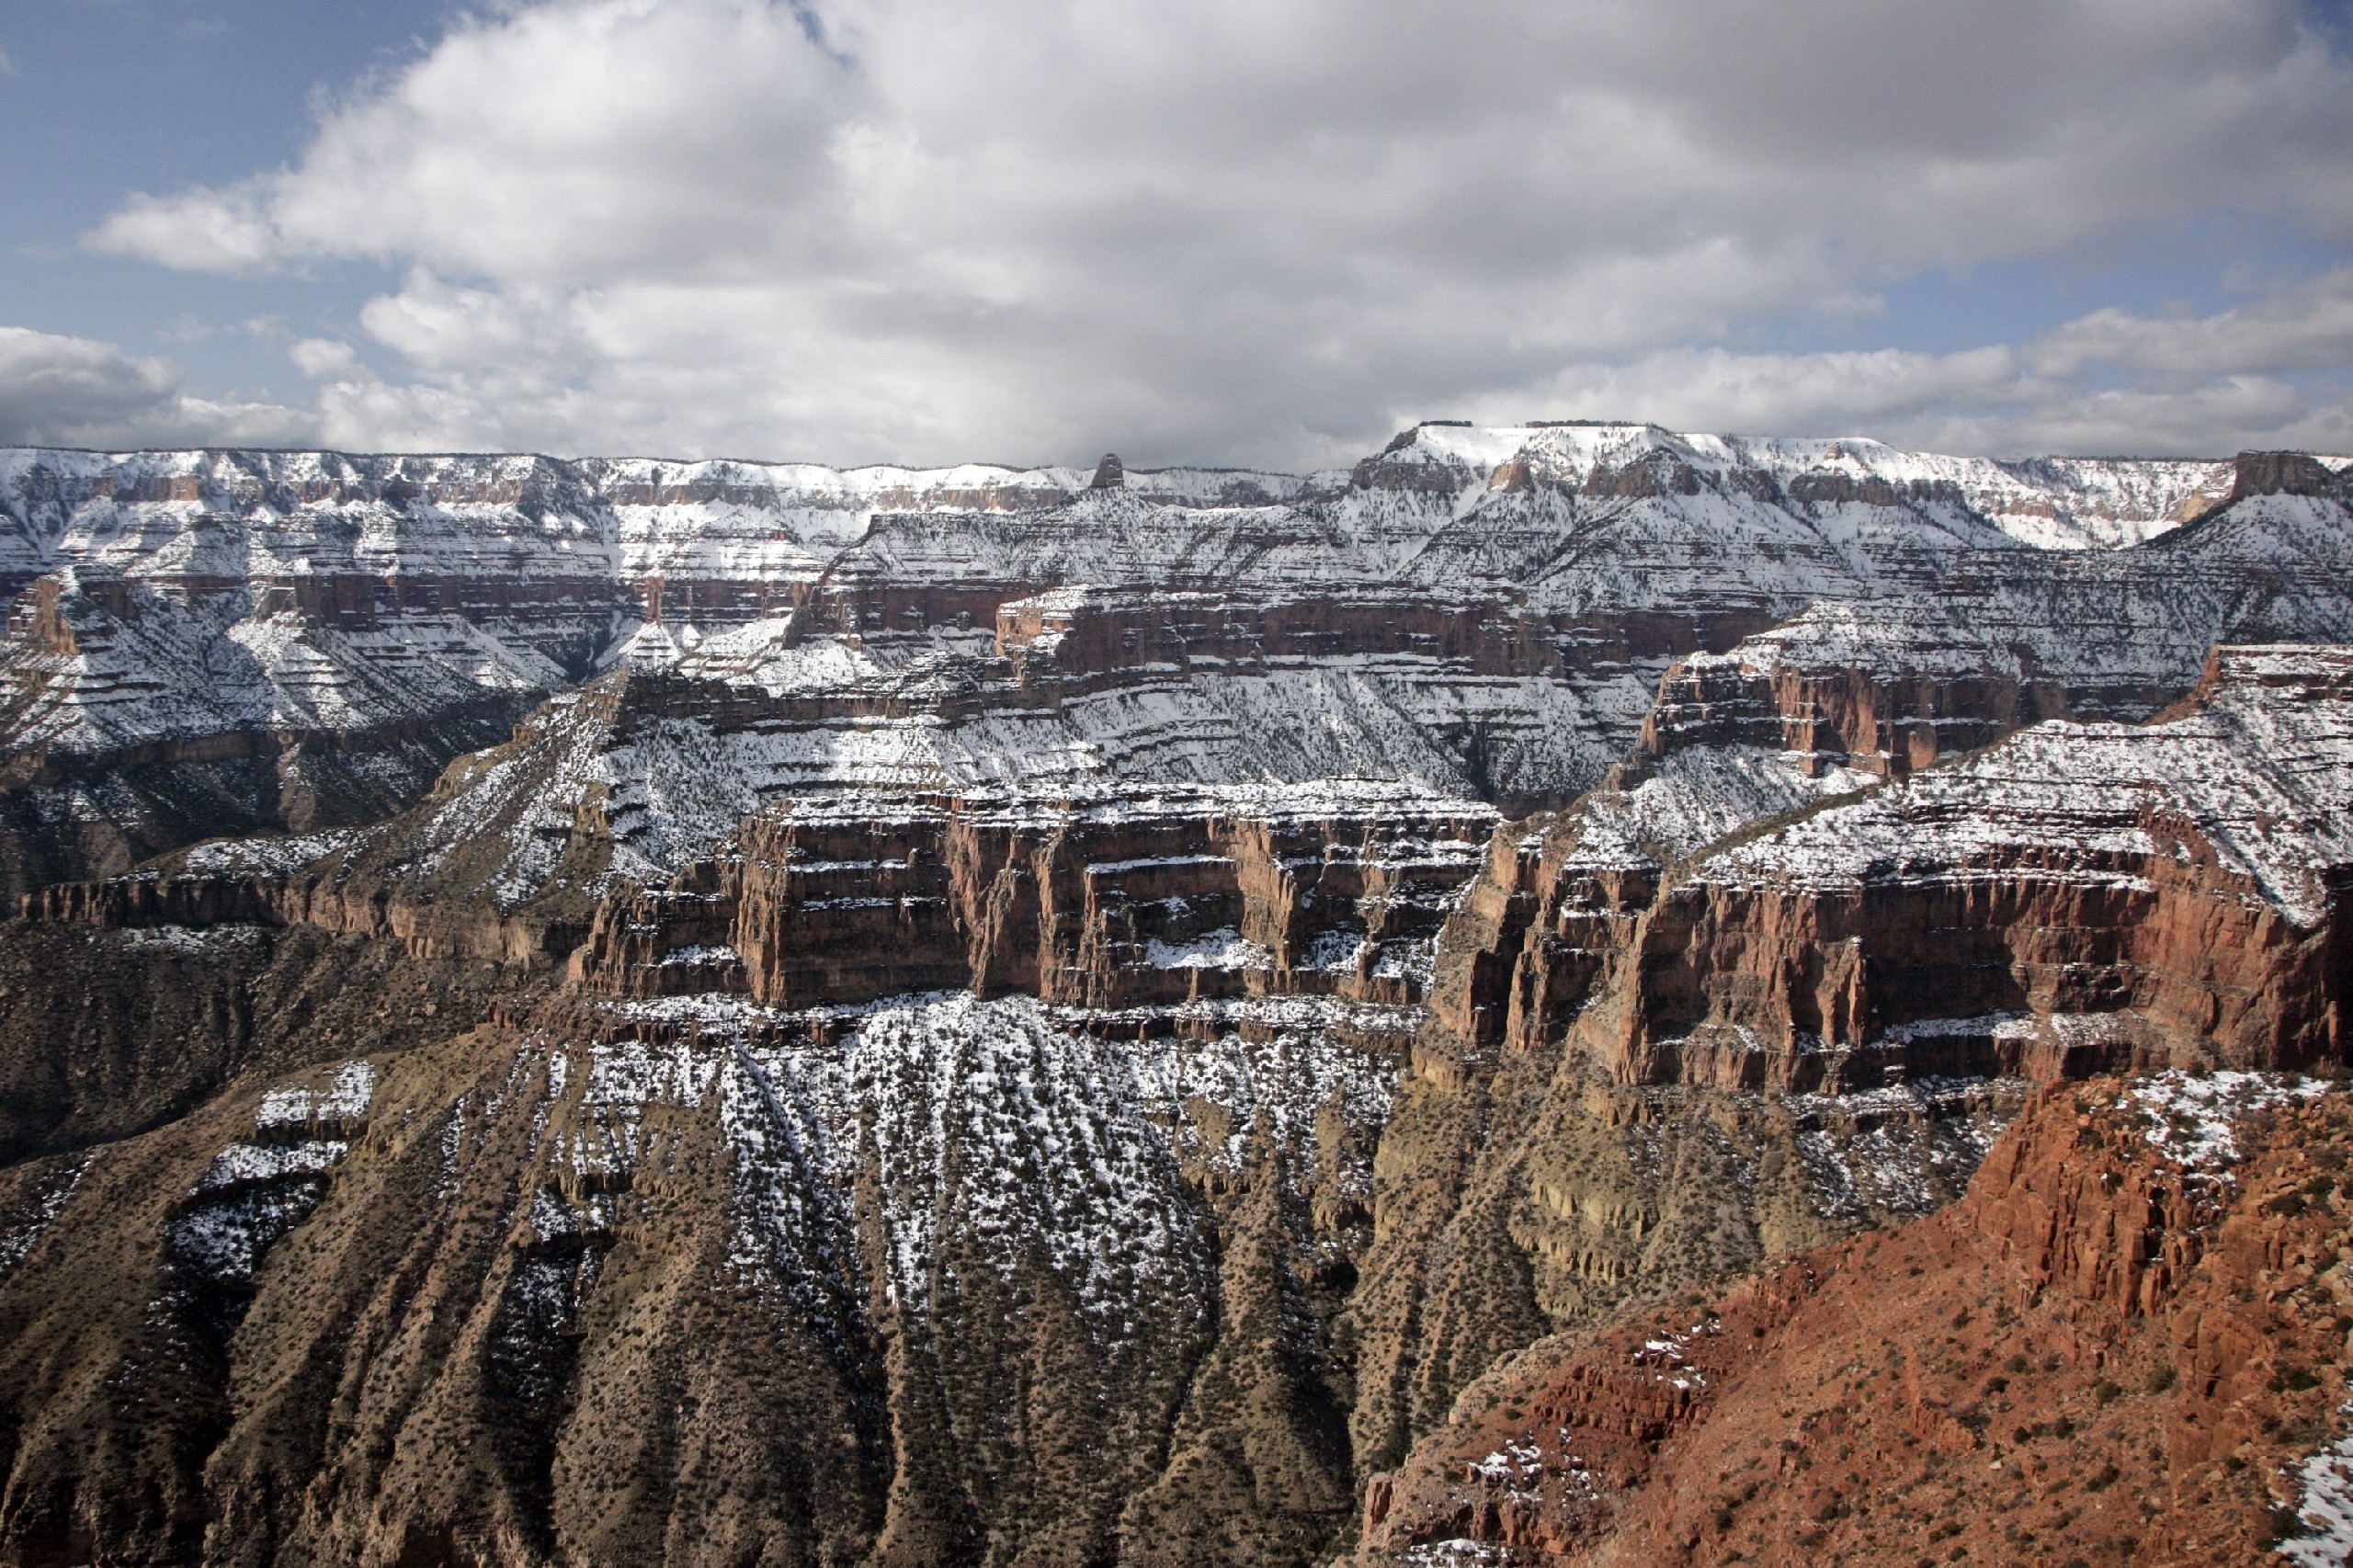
250	1163
1458	1551
1000	1129
344	1100
188	941
479	577
2260	777
2190	1116
251	1194
17	1239
2051	503
1903	1149
1693	798
604	554
2324	1483
1220	948
263	857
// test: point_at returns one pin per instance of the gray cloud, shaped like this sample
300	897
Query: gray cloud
1209	229
73	391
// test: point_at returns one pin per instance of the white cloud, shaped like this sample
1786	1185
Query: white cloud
2303	327
73	391
319	358
1998	399
1224	229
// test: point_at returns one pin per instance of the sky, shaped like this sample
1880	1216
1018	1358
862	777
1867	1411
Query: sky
1255	232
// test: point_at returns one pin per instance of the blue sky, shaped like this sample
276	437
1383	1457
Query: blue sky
1020	229
109	96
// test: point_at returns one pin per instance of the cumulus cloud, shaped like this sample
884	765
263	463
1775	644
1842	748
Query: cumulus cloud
1215	229
76	393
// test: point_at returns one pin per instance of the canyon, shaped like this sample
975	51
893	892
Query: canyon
580	1011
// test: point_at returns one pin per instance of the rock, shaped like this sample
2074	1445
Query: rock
976	1013
380	613
2112	1344
2152	893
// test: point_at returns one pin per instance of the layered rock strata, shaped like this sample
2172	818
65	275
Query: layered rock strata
1895	684
2080	894
1142	900
1057	1062
1493	608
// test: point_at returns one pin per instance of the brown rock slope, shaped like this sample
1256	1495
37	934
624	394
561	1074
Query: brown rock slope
2122	1347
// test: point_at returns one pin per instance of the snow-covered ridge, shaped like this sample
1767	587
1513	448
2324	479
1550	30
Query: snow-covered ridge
2053	503
635	515
2189	1117
2260	778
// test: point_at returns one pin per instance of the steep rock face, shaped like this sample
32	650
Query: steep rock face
1893	685
1785	1002
2123	1341
1137	901
2087	894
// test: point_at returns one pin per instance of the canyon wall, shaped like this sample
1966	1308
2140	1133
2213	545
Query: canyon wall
988	1016
225	641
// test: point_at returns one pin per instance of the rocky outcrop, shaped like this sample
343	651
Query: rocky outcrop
1666	1028
2285	473
1056	1060
2078	898
1837	715
1894	686
2123	1341
1136	900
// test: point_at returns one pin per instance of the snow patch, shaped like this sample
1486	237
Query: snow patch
2325	1505
2190	1116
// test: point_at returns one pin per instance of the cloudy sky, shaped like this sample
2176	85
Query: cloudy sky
1260	232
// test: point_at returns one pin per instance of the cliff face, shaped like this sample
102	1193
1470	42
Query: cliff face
2124	1340
1892	685
1738	1008
2077	897
1140	900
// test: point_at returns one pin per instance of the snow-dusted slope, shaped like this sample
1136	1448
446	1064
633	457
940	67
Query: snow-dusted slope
2257	781
2056	503
1474	610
